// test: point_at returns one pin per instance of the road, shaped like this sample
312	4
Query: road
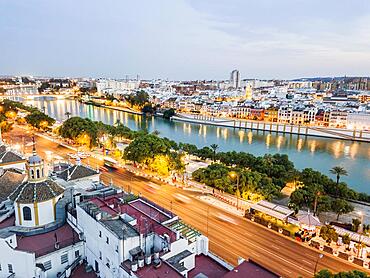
228	239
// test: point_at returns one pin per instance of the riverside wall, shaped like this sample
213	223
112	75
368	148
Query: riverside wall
335	133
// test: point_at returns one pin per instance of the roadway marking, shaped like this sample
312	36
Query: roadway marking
275	247
305	261
255	254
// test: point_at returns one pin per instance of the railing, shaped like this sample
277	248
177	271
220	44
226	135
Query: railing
70	268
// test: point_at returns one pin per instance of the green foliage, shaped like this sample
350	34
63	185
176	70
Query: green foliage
341	206
346	239
351	274
252	185
138	99
39	120
355	224
167	114
76	127
148	108
328	234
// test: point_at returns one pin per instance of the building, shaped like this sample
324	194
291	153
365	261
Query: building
358	121
36	241
338	118
235	79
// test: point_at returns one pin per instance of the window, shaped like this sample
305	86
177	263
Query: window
107	240
0	268
99	233
27	213
47	265
10	268
108	263
77	253
32	174
38	173
117	248
64	258
100	255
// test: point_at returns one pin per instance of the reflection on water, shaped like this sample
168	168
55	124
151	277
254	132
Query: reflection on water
315	152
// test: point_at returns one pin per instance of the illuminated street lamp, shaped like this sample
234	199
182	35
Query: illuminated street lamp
236	175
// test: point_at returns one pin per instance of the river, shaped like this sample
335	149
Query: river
314	152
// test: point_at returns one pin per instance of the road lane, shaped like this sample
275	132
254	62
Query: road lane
245	239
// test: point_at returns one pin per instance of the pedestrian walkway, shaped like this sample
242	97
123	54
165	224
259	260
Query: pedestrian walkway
217	203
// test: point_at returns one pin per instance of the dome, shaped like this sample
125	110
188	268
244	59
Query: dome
34	159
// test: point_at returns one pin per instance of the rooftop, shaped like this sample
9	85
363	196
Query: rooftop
271	209
121	229
249	269
9	181
8	157
175	260
150	210
75	172
43	244
30	192
164	271
207	266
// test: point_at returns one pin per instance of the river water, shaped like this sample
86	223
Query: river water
314	152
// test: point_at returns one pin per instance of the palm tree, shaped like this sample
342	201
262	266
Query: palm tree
214	147
338	171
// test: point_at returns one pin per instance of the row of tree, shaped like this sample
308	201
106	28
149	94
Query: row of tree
35	117
260	176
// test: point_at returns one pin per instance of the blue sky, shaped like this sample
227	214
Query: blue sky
185	39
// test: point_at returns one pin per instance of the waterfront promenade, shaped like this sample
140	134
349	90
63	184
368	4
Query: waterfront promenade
336	133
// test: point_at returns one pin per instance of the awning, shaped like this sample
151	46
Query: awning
277	211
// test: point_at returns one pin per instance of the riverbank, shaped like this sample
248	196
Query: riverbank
334	133
121	109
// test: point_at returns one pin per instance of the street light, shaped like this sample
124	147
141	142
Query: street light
360	231
233	175
317	262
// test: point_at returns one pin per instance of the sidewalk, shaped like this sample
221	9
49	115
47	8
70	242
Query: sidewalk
217	203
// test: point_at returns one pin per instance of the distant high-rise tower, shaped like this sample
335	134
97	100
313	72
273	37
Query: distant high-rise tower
235	79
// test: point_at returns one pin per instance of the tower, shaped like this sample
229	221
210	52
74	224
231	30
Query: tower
235	79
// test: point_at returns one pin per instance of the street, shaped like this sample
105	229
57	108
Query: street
228	239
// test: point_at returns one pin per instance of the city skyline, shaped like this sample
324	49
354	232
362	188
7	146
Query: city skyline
185	39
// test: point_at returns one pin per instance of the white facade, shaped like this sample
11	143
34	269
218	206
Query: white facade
360	121
23	264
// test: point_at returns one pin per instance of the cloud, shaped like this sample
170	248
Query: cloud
185	39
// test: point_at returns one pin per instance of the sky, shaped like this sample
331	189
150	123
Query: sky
185	39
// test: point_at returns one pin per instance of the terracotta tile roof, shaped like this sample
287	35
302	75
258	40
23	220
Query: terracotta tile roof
9	181
77	172
30	192
10	157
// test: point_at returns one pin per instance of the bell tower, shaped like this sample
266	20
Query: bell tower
35	166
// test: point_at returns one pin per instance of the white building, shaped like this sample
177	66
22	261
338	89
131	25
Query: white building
358	121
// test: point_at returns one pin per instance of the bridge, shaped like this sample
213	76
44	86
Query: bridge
37	96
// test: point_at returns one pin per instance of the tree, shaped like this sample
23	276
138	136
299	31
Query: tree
214	147
148	109
350	274
355	224
39	120
167	114
78	129
338	171
346	240
145	148
341	206
328	233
